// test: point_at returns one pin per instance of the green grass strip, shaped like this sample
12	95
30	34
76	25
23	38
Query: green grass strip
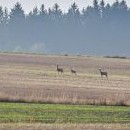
55	113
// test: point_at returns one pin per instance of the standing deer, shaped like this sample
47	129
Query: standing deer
73	71
60	70
103	73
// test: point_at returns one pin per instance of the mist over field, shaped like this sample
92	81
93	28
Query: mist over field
100	29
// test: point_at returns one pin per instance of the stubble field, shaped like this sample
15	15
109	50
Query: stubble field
33	78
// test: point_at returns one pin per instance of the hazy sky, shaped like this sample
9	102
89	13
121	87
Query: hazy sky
64	4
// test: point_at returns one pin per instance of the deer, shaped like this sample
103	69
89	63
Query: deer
73	71
103	73
60	70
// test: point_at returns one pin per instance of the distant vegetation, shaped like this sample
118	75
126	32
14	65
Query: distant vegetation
120	57
98	29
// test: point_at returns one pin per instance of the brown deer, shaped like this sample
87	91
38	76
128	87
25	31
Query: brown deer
103	73
73	71
60	70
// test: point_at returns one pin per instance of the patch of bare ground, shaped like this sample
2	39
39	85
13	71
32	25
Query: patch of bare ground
25	126
33	78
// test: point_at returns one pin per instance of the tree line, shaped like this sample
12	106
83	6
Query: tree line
98	29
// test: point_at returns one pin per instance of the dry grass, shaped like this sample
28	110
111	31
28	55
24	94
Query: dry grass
25	126
33	78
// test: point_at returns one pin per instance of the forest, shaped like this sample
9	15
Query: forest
100	29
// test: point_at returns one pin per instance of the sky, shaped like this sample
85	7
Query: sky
28	5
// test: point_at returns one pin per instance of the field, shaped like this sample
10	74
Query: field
26	115
33	81
52	113
33	78
39	126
